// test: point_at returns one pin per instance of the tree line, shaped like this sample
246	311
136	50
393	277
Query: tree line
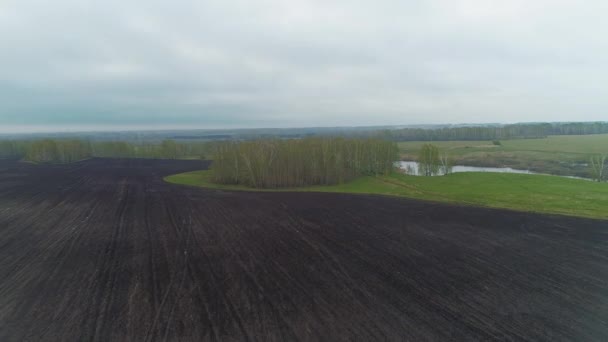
57	151
167	149
515	131
10	149
273	163
71	150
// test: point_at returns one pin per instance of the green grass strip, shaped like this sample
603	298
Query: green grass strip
530	193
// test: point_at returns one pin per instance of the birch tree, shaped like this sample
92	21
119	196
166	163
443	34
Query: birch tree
598	168
446	164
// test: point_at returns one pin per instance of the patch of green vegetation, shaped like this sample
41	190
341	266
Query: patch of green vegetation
559	155
534	193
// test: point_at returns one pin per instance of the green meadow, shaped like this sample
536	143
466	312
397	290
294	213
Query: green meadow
558	155
531	193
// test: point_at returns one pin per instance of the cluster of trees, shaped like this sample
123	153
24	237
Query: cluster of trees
301	162
431	162
516	131
70	150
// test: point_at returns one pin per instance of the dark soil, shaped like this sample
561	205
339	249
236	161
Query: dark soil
104	250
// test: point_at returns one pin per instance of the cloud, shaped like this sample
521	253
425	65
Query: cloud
300	63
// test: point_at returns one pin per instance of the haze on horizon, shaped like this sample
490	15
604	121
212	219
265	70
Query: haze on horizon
86	65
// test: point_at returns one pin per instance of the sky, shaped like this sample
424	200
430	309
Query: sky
149	64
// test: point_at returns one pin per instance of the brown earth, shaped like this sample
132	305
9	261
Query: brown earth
104	250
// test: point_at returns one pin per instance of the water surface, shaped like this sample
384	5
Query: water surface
411	167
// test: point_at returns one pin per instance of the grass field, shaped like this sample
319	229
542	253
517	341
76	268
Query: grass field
560	155
534	193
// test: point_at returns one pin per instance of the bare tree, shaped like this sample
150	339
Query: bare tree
446	164
598	168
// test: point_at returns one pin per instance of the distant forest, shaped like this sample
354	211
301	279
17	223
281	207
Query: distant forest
515	131
69	148
395	133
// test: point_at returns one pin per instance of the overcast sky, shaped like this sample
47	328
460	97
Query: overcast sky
116	64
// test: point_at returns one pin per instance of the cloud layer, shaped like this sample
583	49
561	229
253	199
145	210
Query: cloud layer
75	63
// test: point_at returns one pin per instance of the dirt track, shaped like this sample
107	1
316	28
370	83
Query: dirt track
104	250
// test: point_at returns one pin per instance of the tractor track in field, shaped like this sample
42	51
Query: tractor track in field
104	250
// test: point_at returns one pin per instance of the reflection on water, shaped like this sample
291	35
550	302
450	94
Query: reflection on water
412	168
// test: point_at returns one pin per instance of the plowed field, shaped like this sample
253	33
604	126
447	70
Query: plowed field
104	250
